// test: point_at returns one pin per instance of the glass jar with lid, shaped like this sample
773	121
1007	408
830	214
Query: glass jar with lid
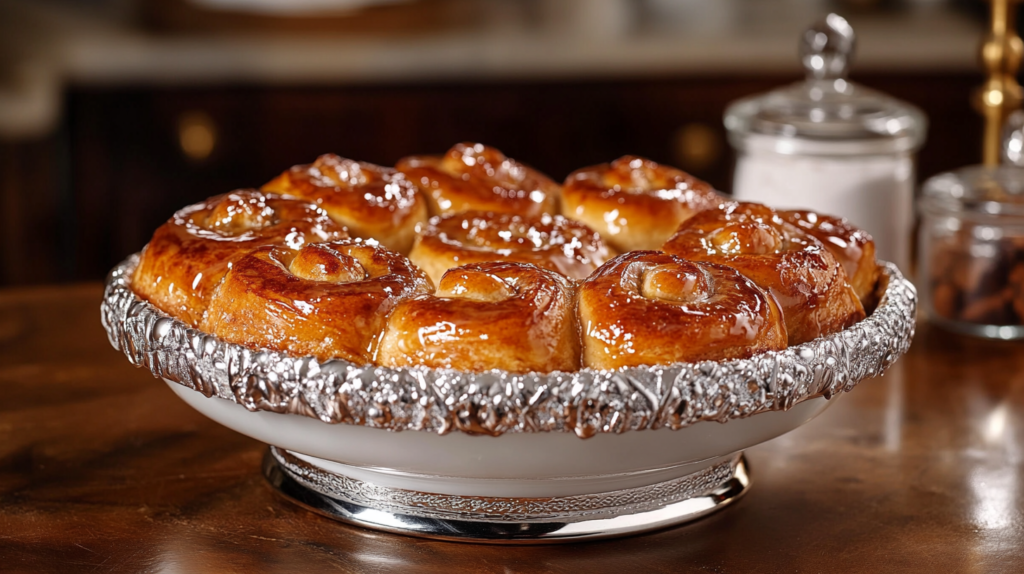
830	145
971	271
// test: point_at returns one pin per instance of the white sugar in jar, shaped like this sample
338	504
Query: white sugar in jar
875	192
829	145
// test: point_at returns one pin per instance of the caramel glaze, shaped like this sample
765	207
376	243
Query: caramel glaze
806	279
548	241
652	308
635	203
326	300
188	256
499	315
853	247
370	200
472	176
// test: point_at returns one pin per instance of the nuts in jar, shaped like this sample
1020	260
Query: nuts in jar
972	250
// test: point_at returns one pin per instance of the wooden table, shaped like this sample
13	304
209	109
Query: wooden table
102	469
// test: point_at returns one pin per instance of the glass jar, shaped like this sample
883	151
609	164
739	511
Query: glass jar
830	145
971	271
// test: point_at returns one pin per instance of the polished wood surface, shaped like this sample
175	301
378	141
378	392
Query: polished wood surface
102	469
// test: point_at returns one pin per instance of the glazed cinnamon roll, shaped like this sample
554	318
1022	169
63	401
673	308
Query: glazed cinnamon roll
370	200
326	300
501	315
806	279
634	203
853	247
189	255
652	308
549	241
472	176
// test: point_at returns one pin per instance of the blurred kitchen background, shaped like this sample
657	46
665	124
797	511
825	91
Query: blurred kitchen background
114	113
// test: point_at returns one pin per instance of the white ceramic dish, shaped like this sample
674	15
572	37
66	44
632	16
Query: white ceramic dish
514	465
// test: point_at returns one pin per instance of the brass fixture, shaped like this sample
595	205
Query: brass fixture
197	135
697	146
1000	94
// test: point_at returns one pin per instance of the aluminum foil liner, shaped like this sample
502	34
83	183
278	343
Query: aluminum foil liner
584	402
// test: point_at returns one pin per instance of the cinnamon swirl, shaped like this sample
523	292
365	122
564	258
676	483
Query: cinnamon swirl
634	203
549	241
326	300
853	247
370	200
472	176
189	255
805	278
501	315
652	308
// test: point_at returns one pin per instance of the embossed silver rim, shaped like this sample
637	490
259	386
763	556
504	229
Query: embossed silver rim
585	402
507	520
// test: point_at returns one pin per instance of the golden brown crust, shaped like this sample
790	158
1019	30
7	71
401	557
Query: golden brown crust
370	200
652	308
279	272
472	176
511	316
806	279
634	203
853	247
548	241
326	300
189	255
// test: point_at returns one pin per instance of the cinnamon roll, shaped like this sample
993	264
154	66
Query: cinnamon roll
634	203
326	300
549	241
652	308
189	255
806	279
472	176
499	315
370	200
853	247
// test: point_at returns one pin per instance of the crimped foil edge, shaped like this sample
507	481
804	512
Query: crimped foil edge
584	402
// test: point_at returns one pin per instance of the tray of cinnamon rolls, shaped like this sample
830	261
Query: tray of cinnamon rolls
468	291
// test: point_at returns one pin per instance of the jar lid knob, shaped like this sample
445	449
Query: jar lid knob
826	48
1013	139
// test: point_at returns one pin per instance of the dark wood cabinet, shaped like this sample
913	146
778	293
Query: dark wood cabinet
125	159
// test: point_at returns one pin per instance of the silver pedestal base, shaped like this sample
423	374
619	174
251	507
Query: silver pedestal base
506	520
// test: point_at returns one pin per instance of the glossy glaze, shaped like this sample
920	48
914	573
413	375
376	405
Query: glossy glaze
473	176
853	247
549	241
651	308
806	279
633	200
326	300
370	200
511	316
189	255
634	203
